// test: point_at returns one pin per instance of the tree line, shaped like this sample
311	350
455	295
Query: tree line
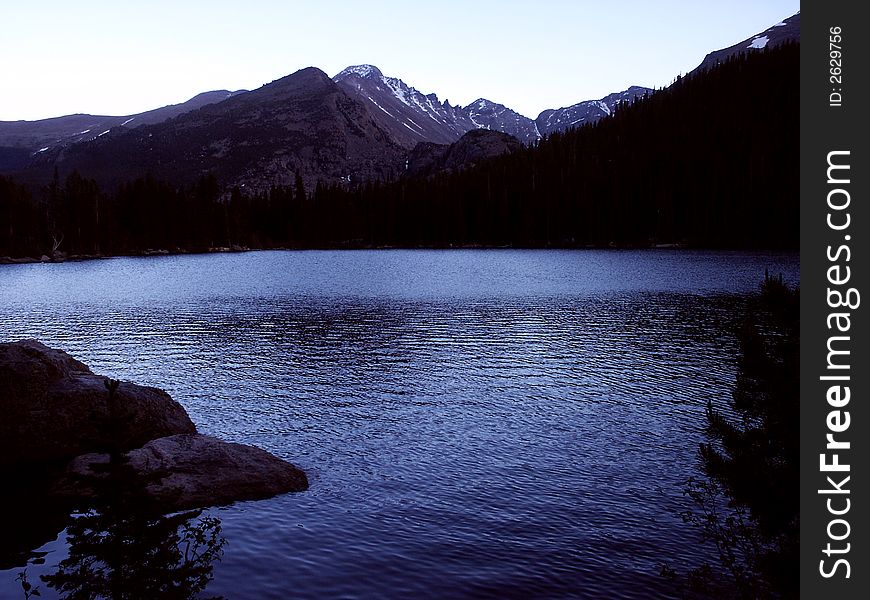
710	161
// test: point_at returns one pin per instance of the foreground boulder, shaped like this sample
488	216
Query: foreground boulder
53	407
60	421
192	470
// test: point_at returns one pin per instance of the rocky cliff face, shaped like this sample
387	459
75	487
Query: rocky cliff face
412	117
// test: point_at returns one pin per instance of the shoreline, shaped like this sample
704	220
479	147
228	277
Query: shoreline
22	260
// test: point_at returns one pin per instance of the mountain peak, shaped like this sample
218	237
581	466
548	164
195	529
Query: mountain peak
302	81
364	71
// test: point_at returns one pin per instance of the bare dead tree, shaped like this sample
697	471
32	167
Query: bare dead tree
55	243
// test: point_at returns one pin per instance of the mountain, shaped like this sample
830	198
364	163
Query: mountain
485	114
412	117
473	147
359	125
585	112
43	134
788	30
303	124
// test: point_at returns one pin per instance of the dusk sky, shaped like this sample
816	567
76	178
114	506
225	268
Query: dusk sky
102	57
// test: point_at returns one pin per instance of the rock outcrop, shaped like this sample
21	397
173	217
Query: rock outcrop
475	146
53	407
192	470
55	411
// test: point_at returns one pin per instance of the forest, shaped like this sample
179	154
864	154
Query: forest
710	161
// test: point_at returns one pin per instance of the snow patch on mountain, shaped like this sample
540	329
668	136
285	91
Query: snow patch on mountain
759	42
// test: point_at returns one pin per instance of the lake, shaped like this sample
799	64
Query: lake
474	423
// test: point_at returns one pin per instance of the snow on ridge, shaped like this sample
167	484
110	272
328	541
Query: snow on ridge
399	88
603	106
360	71
759	42
125	122
781	24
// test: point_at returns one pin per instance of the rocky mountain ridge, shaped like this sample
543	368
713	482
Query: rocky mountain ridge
412	116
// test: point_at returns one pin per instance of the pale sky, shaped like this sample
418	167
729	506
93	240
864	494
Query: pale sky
116	58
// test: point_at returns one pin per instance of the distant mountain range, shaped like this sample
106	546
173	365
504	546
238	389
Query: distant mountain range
413	117
357	126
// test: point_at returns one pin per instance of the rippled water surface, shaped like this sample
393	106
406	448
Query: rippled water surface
473	423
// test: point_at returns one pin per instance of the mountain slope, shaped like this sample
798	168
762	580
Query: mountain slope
303	124
788	30
585	112
43	134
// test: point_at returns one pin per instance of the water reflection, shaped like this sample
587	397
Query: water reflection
121	546
29	516
128	554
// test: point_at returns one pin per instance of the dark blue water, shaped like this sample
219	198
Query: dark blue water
473	423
